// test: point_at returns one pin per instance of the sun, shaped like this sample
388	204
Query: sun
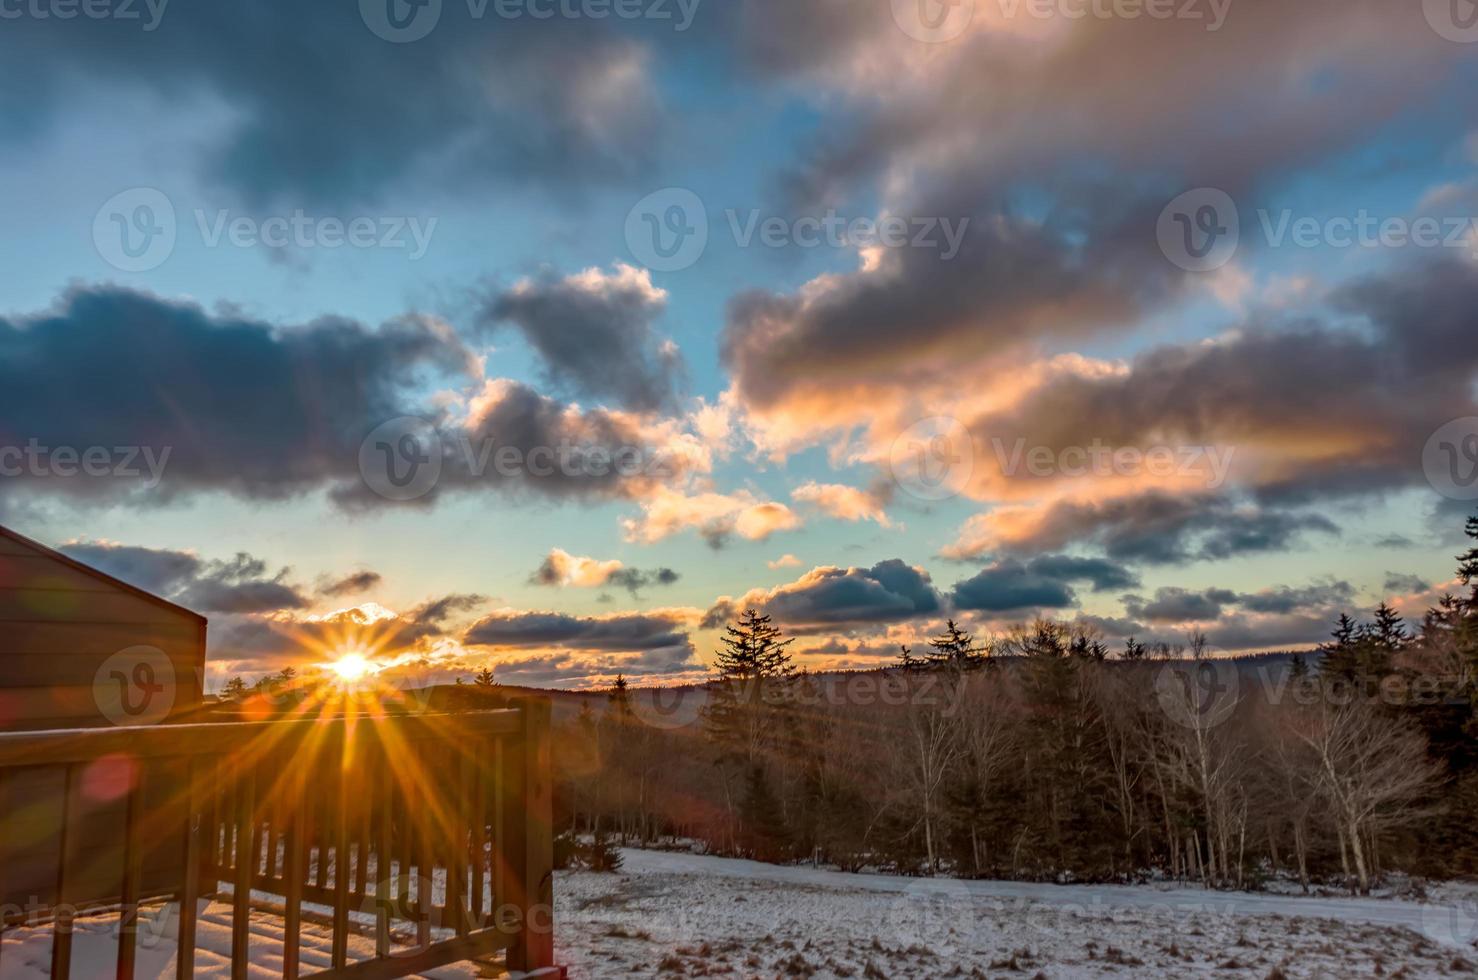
353	667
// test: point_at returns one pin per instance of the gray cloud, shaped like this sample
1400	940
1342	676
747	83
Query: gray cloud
351	584
240	585
659	641
890	591
1041	583
322	112
595	333
242	407
230	404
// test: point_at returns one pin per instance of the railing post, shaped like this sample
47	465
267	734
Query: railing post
531	840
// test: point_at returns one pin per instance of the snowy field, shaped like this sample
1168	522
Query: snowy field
671	914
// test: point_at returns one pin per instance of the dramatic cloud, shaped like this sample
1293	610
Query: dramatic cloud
178	401
240	585
847	503
660	642
1054	251
312	107
238	405
1042	583
1155	528
562	569
594	332
351	584
1398	583
823	598
1173	604
716	516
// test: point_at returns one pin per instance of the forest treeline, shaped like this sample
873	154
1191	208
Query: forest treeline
1042	754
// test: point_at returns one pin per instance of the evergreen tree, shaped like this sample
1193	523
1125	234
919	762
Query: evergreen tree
765	836
754	670
907	661
618	701
745	716
1298	668
1467	562
956	648
485	679
1340	659
1389	629
1133	650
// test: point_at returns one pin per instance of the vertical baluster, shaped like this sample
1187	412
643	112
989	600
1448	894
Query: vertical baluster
456	845
340	823
500	841
384	882
425	862
363	806
195	773
133	870
296	871
62	920
245	791
404	877
5	838
479	835
298	829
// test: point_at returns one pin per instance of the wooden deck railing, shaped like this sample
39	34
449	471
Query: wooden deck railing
428	835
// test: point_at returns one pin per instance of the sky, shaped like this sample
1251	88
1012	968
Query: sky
550	335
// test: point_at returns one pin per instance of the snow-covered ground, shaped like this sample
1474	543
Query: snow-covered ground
26	953
677	914
674	914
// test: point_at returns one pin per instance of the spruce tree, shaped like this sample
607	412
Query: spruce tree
754	667
1340	658
956	648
